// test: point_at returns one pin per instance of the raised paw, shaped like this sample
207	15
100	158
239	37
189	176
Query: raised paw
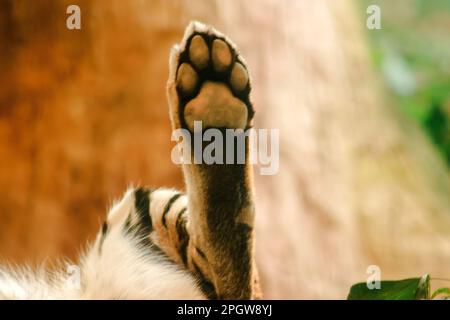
211	82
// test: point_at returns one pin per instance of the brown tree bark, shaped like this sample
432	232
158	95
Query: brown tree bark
83	114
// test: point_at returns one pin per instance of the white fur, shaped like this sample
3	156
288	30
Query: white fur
118	268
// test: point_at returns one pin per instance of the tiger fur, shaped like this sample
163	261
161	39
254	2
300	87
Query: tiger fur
161	243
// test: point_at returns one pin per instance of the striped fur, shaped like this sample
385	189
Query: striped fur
161	243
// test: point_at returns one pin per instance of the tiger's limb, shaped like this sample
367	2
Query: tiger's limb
209	82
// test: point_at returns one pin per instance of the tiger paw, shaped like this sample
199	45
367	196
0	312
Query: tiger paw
211	81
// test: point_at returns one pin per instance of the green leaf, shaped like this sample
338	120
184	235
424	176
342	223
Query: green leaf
423	291
408	289
441	291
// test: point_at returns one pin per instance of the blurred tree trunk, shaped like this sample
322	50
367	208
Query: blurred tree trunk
83	115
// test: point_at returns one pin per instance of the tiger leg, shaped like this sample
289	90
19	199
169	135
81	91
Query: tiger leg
209	82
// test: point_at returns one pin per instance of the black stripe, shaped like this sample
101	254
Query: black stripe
180	221
127	223
206	286
142	207
105	229
201	253
183	236
167	208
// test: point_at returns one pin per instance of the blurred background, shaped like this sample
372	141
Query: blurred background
364	119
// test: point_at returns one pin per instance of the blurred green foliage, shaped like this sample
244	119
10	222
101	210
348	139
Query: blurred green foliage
412	51
407	289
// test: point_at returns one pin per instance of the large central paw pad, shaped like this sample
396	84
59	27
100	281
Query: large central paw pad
212	83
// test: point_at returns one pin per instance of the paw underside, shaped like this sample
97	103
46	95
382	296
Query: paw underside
212	82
